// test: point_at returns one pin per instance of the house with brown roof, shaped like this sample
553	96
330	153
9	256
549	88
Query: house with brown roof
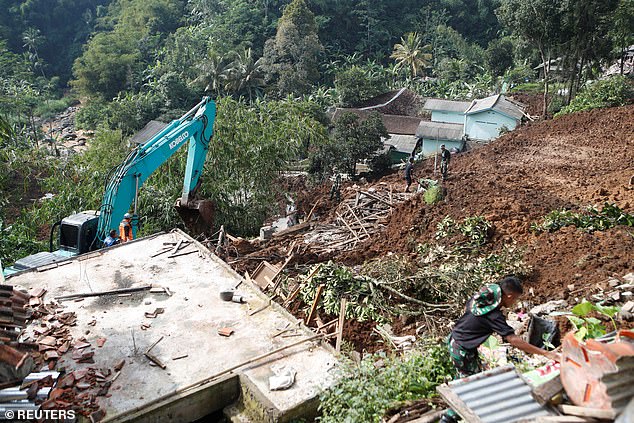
402	131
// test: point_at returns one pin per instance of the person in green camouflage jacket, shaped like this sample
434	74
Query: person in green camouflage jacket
483	317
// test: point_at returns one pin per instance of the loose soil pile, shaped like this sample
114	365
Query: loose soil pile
570	162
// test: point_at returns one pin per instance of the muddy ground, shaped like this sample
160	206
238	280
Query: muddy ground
570	162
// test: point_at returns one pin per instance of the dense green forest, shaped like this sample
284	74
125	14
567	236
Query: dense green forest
274	66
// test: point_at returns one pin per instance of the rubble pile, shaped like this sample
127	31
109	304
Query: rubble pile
356	219
61	134
43	344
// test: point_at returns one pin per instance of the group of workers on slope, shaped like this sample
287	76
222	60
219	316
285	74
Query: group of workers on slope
445	158
125	232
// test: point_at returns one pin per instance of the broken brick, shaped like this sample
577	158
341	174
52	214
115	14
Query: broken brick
37	292
225	331
100	342
80	345
48	340
51	355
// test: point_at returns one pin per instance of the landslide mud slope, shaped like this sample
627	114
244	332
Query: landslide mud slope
570	162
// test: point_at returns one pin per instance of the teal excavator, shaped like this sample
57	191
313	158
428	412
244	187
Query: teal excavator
86	231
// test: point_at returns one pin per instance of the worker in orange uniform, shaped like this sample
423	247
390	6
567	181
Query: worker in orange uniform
125	228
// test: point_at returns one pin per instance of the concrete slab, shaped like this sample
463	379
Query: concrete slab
189	326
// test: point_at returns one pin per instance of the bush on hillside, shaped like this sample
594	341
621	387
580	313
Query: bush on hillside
611	92
368	389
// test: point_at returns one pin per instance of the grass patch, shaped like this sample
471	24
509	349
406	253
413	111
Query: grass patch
51	108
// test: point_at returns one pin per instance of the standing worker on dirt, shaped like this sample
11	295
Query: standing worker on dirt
483	317
125	228
409	170
335	190
445	158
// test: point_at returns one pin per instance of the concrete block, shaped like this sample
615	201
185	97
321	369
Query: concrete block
266	233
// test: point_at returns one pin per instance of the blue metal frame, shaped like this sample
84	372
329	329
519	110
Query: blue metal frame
195	127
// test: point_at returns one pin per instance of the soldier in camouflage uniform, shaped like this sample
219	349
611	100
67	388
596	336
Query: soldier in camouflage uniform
483	317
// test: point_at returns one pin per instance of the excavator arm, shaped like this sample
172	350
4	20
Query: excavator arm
122	188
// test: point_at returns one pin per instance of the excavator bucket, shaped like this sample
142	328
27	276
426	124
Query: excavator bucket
197	215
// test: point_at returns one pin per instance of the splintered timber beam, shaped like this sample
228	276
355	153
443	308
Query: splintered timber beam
342	320
313	308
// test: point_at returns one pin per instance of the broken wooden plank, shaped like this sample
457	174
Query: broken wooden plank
177	247
260	308
456	403
598	413
348	226
377	198
155	360
182	254
313	308
544	392
162	251
313	209
341	322
358	220
178	357
154	344
293	229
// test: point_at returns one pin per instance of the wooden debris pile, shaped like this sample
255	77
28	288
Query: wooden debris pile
356	219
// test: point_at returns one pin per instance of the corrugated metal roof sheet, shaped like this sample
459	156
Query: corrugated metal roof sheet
497	396
446	105
498	103
402	143
152	128
17	399
440	130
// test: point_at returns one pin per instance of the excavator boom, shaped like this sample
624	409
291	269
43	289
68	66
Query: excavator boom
194	127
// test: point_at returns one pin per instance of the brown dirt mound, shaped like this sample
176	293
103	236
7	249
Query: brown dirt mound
574	161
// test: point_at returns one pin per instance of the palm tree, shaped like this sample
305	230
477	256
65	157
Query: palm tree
244	75
411	53
213	72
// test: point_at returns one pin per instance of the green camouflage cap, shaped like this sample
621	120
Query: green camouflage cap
487	299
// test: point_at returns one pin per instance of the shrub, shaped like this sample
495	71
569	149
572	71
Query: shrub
51	108
611	92
91	115
380	164
356	84
589	220
433	195
368	389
